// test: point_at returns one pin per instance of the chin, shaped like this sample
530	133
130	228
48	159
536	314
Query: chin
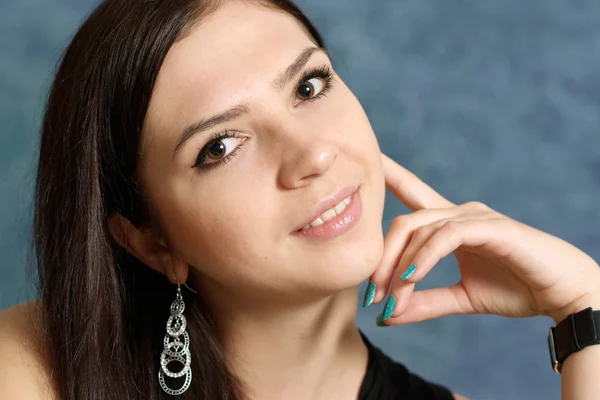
355	256
356	265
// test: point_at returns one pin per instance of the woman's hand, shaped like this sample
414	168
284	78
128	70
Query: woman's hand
507	268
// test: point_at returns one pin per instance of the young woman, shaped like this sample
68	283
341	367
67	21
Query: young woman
211	143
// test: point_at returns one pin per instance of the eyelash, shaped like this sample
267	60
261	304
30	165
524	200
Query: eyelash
199	164
323	71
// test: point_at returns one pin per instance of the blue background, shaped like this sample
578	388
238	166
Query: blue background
496	101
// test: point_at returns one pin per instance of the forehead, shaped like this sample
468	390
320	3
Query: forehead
232	53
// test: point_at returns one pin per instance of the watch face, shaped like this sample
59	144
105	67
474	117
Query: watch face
552	350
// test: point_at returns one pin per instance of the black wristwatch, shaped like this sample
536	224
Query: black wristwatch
572	334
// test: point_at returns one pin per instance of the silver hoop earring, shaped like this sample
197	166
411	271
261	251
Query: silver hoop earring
174	348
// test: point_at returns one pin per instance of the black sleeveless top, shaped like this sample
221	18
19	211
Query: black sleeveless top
386	379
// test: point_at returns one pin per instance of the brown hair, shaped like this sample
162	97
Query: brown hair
104	311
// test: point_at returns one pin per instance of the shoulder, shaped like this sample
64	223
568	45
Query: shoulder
24	364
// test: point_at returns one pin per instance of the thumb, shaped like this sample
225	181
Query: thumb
434	303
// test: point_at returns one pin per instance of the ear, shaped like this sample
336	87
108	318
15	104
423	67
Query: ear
144	245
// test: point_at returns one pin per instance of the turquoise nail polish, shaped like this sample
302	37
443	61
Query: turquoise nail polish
389	307
409	272
379	320
369	294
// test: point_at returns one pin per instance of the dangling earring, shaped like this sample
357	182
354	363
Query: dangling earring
174	349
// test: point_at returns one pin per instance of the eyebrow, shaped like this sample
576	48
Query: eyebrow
241	109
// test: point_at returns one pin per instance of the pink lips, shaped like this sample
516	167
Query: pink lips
341	223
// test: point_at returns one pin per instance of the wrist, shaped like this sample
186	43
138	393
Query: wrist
589	300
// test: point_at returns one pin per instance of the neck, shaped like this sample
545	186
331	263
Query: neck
308	351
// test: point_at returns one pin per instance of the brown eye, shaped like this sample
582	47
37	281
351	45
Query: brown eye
310	88
216	150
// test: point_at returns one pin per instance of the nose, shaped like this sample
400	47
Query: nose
306	156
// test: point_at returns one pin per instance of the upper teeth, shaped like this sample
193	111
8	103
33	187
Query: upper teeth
329	214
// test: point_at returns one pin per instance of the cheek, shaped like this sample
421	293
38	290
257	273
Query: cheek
219	234
350	119
364	146
356	133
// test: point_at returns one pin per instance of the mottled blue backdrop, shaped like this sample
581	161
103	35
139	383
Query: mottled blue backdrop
497	101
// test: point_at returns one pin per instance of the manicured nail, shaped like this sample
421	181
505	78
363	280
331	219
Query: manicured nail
409	272
379	320
389	307
369	294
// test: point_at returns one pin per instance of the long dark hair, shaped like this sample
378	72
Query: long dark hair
104	312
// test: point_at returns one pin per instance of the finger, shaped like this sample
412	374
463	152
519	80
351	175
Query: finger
451	235
398	237
433	303
409	189
395	243
398	300
446	239
407	267
400	289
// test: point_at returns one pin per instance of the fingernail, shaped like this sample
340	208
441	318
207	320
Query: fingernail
389	307
369	294
409	272
379	320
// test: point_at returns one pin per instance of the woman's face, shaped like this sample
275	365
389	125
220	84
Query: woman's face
295	141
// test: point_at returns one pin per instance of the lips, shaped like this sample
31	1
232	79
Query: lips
328	202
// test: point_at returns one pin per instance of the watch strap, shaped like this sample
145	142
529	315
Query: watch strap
574	333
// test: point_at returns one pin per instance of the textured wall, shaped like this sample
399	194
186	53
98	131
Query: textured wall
487	100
